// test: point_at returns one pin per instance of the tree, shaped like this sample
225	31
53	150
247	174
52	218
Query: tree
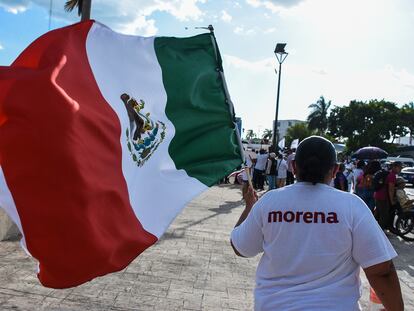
298	131
318	118
407	113
267	134
363	124
250	134
84	7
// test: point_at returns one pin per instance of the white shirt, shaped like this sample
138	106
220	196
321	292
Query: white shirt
289	160
261	162
357	172
314	239
282	168
249	164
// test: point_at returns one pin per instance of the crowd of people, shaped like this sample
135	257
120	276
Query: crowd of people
377	185
269	169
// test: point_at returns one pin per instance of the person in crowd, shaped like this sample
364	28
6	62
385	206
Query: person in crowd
400	194
349	173
357	172
290	177
271	171
385	197
364	186
314	239
259	170
282	169
247	172
340	181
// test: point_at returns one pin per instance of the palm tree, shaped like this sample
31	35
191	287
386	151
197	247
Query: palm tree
84	8
250	134
267	134
318	118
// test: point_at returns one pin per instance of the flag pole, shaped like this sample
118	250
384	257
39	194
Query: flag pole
219	69
86	10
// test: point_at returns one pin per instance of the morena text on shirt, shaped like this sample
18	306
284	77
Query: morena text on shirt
305	217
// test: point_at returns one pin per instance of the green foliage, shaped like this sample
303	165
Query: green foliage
267	134
300	131
318	118
250	134
71	4
370	123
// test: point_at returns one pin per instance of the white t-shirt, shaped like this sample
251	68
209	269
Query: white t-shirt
357	172
261	162
249	164
314	238
289	160
282	168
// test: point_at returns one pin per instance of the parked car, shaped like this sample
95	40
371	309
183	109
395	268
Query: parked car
405	161
408	174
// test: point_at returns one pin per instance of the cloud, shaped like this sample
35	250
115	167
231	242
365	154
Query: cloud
403	76
269	30
274	6
1	47
14	6
127	16
263	65
320	71
226	17
241	31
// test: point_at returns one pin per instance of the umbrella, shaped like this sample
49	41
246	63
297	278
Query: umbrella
370	153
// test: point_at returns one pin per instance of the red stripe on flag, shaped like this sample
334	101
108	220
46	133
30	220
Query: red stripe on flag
61	157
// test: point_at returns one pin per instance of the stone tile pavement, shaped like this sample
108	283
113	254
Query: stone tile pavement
191	268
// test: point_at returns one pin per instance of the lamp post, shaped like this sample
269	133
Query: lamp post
281	56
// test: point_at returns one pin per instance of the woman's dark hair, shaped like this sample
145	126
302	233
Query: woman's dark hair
314	157
360	164
372	168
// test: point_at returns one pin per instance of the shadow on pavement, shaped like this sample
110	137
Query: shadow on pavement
224	208
405	258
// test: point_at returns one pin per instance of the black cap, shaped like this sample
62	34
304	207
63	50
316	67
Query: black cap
316	147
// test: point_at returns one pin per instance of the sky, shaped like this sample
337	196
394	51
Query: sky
341	49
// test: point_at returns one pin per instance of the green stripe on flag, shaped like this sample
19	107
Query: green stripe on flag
205	144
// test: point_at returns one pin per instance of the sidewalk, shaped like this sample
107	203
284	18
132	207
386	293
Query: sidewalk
192	268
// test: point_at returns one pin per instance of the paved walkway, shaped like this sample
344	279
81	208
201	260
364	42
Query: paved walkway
191	268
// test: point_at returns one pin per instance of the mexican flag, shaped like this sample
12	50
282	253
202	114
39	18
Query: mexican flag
104	138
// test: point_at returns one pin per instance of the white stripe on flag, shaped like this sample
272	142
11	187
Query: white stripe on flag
128	64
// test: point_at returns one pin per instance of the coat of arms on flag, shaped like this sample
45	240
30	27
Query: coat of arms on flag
128	145
143	135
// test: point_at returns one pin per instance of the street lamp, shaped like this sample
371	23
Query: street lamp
281	56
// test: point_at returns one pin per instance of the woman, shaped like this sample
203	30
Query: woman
359	171
340	181
364	188
314	240
282	168
271	171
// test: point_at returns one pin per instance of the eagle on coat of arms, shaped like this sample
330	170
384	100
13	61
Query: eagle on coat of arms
143	135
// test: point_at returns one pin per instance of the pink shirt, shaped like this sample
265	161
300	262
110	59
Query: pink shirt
383	192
